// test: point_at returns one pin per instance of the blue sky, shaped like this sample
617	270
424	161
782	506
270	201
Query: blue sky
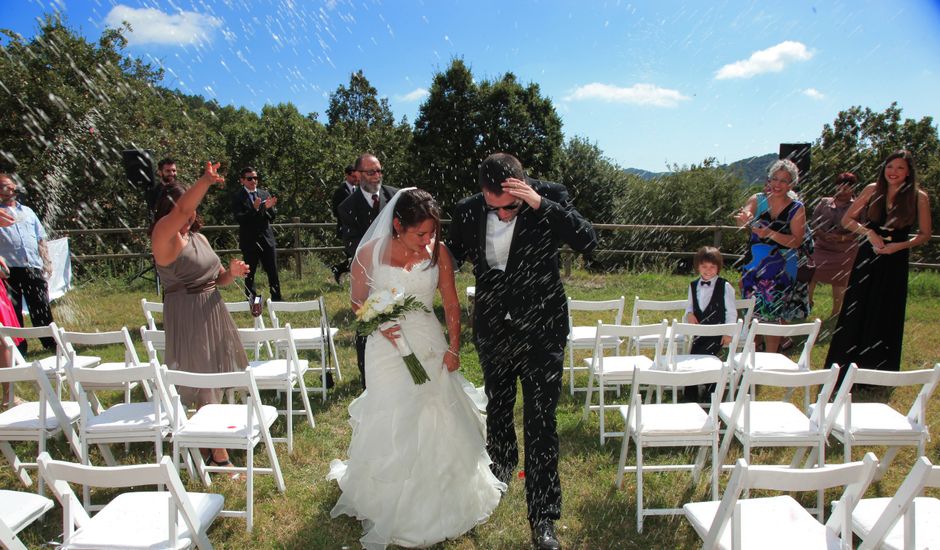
652	83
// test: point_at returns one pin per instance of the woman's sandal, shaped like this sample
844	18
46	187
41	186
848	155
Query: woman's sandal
211	461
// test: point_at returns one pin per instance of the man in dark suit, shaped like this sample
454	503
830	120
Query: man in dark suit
356	214
166	176
342	192
254	210
511	232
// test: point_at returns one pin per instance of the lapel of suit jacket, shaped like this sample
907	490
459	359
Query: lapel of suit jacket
385	195
479	211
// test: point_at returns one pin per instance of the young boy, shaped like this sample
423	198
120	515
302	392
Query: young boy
711	302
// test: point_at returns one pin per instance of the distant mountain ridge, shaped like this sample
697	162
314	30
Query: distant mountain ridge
752	169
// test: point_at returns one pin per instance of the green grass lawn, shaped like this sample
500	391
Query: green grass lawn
594	515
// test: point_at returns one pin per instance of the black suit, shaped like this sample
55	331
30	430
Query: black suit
342	193
256	239
529	345
355	216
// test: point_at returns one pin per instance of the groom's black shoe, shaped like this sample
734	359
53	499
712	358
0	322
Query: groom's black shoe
543	536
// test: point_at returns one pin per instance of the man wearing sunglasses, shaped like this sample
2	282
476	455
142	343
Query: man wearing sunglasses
254	210
356	214
511	232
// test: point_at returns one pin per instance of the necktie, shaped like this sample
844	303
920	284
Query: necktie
251	196
375	205
705	283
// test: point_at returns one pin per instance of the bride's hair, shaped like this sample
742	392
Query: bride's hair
415	206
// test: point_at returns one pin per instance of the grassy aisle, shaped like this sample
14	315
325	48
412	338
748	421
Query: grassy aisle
595	514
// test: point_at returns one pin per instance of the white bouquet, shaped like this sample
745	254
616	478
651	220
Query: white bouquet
382	309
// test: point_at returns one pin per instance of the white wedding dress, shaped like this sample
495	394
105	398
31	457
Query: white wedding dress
418	472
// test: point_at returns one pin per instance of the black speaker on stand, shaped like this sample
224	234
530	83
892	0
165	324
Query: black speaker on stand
140	173
799	153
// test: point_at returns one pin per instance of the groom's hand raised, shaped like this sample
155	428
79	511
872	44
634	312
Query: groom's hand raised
522	190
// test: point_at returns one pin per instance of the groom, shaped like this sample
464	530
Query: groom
511	232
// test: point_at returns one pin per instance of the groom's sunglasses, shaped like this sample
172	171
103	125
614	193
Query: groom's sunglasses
508	208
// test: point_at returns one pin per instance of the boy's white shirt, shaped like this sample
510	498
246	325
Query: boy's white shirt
704	295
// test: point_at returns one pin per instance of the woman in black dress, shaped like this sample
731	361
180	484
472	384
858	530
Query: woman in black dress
871	324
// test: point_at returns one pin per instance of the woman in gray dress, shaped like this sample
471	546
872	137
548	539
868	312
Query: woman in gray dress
200	333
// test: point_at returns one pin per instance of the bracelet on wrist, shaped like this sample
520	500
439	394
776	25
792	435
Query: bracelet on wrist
452	352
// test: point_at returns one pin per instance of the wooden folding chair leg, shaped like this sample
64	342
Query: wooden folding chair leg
886	460
16	463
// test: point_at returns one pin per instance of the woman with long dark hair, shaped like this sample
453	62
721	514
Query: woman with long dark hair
871	326
200	333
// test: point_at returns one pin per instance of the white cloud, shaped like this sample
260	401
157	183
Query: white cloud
813	93
771	60
415	95
638	94
152	26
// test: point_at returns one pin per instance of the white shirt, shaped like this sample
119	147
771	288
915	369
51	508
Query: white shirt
704	295
498	240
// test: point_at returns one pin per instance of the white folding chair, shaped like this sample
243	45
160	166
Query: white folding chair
780	522
660	309
146	421
228	426
581	337
753	359
17	511
750	358
778	423
906	520
173	518
670	425
683	333
151	308
315	335
53	365
121	338
35	420
154	340
745	308
878	423
612	371
257	322
283	375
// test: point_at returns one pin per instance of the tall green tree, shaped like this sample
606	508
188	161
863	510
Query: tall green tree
356	110
445	149
363	122
518	120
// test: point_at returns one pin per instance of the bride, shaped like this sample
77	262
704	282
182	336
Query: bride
418	472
